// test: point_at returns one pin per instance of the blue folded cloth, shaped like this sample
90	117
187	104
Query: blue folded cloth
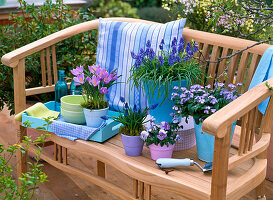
73	131
263	72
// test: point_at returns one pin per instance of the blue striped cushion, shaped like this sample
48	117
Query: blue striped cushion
117	40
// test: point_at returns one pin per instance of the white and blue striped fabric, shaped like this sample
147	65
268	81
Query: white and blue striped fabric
117	40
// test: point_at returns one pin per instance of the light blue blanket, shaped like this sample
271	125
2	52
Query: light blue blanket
263	72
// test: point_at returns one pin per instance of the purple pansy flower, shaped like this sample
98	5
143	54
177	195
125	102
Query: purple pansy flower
162	134
178	138
144	135
164	125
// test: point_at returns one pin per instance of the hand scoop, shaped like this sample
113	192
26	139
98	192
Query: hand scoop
171	162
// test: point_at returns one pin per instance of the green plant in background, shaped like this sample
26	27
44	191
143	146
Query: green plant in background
175	64
144	3
155	14
112	8
29	180
36	23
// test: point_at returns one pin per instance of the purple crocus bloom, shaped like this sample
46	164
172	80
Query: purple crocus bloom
161	134
94	68
79	79
89	80
164	125
107	79
144	135
77	71
102	74
104	90
95	81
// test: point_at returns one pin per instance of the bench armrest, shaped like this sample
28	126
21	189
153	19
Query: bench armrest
217	123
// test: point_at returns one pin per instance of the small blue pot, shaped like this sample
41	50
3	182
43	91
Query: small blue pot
133	145
162	112
205	142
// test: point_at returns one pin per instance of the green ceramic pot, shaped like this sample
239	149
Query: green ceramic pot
72	103
73	117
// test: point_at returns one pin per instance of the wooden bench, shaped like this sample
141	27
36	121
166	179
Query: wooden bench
235	172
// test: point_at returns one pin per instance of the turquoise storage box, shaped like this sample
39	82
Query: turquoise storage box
110	130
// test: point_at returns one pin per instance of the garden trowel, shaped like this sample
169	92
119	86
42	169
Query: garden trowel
165	163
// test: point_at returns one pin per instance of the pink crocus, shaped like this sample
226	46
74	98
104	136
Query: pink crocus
94	69
77	71
95	81
103	73
79	79
89	80
107	79
104	90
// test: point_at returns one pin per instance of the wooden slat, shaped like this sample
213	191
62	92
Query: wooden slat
222	64
148	192
253	65
243	135
255	111
42	59
141	190
232	68
248	130
258	148
220	166
41	90
204	57
64	151
48	65
212	66
135	188
59	153
242	68
55	152
55	71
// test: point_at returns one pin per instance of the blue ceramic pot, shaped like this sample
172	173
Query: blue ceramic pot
133	145
205	142
162	112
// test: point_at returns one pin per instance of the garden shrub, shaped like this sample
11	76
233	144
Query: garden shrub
155	14
36	23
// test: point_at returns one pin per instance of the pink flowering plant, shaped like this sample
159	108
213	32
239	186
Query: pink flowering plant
201	102
161	134
95	83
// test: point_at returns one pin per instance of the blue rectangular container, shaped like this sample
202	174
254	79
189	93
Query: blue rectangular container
110	130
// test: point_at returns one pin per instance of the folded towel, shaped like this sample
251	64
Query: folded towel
73	131
263	72
38	110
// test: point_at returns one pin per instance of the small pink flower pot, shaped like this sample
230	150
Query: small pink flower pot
161	152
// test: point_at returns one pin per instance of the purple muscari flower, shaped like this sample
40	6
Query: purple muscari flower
181	41
95	81
144	135
161	44
180	48
104	90
195	47
206	111
162	41
164	125
161	134
178	59
126	112
174	42
213	110
178	138
135	108
171	60
174	50
188	47
148	44
231	86
213	101
161	60
152	107
142	52
77	71
133	55
79	79
126	105
151	54
122	99
186	58
105	117
147	52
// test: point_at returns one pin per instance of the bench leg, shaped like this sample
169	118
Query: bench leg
260	191
101	169
21	159
141	190
135	188
148	192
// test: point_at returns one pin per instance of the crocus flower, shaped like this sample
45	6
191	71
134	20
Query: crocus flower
107	79
104	90
95	81
102	74
162	134
144	135
79	78
77	71
164	125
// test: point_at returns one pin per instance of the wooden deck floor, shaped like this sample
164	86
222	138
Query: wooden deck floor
63	186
